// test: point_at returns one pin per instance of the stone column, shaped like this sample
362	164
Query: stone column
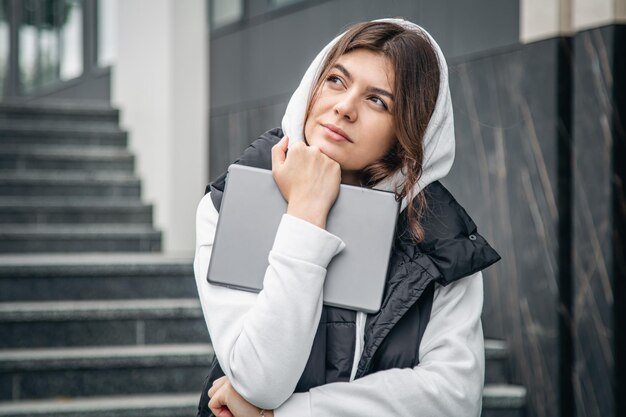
159	82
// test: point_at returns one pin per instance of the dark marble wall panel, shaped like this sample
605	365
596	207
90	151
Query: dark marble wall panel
505	175
593	222
238	129
619	214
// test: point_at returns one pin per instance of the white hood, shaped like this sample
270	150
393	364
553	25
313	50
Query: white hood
438	138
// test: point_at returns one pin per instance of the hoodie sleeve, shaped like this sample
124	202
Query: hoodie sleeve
261	353
448	382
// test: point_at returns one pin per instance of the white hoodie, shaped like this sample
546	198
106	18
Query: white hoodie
263	341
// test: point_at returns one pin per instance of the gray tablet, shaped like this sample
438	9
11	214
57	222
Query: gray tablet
252	207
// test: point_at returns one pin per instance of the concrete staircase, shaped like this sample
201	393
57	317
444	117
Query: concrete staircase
94	321
100	335
500	398
67	182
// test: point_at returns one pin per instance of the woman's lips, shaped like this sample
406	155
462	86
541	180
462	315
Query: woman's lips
336	134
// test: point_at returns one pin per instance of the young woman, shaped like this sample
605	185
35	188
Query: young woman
374	110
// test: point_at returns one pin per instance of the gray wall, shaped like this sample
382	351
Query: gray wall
256	65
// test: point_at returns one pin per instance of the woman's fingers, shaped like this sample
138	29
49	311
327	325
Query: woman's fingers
223	412
279	152
309	182
217	403
217	384
307	179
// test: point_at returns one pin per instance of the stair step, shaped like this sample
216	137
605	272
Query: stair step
107	370
502	400
35	277
79	238
77	184
54	210
23	158
159	405
33	135
100	310
104	357
60	111
57	127
74	151
89	323
496	353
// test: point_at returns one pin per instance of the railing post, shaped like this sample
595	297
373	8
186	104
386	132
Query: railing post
13	80
90	35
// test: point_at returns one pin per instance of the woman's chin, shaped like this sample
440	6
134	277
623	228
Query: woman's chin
331	152
329	148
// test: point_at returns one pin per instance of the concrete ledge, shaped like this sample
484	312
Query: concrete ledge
55	183
118	263
79	231
495	349
48	128
63	203
62	107
69	111
95	276
61	177
504	396
66	152
100	310
35	137
146	356
93	265
79	238
36	210
497	369
159	405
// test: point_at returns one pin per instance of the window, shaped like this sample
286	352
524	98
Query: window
4	44
72	40
224	12
50	42
107	13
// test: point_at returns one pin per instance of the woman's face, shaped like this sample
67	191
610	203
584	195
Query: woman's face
351	120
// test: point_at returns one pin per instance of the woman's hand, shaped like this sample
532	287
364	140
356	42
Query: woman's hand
226	402
308	180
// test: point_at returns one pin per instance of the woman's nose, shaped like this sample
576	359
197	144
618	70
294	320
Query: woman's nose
346	108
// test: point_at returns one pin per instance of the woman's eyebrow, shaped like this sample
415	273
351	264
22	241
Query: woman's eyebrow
376	90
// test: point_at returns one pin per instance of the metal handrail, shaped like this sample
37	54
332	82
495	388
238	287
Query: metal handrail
51	15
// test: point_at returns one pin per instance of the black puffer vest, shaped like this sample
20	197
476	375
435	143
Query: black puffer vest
451	250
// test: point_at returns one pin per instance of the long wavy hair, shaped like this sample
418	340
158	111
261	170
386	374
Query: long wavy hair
416	88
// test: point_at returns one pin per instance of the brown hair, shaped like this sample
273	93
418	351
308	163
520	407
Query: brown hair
416	88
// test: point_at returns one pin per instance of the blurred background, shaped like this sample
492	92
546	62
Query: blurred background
115	114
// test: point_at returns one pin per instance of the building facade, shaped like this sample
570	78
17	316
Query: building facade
539	95
538	92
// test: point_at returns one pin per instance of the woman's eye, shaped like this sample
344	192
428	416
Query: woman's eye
379	102
333	79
